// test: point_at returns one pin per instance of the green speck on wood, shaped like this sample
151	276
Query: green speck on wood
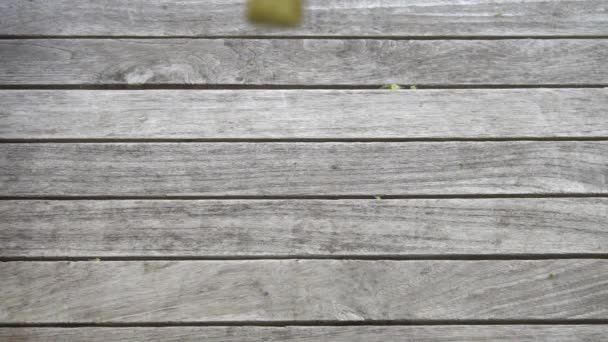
97	260
413	87
552	275
391	87
378	197
498	15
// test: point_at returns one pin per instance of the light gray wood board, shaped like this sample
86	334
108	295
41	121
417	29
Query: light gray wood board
302	290
440	333
211	228
310	114
321	17
303	61
303	169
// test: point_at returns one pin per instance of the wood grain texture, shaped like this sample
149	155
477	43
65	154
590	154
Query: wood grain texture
452	333
291	228
302	169
303	61
322	17
308	114
302	290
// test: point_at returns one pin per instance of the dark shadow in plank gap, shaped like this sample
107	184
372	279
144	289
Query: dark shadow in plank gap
170	86
310	323
322	197
325	37
292	140
415	257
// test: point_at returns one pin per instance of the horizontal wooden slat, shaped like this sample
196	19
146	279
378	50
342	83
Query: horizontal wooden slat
322	17
303	62
302	290
306	169
303	227
452	333
312	114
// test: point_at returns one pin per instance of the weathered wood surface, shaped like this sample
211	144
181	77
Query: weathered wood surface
322	17
313	114
302	290
452	333
303	227
303	62
292	169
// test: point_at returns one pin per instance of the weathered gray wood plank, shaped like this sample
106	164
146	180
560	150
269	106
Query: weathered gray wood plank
303	62
283	169
315	114
303	227
322	17
302	290
452	333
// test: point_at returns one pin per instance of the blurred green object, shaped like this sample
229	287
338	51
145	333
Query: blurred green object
391	87
277	12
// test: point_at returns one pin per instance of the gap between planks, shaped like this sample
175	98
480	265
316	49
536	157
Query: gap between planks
231	86
325	37
312	197
312	323
430	257
290	140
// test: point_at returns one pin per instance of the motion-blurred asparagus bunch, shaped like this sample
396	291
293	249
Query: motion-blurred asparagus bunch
275	12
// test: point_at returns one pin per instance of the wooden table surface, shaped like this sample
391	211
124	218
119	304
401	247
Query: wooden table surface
170	172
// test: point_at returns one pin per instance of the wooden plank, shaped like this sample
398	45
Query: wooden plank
302	290
303	114
303	169
303	61
440	333
322	17
211	228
